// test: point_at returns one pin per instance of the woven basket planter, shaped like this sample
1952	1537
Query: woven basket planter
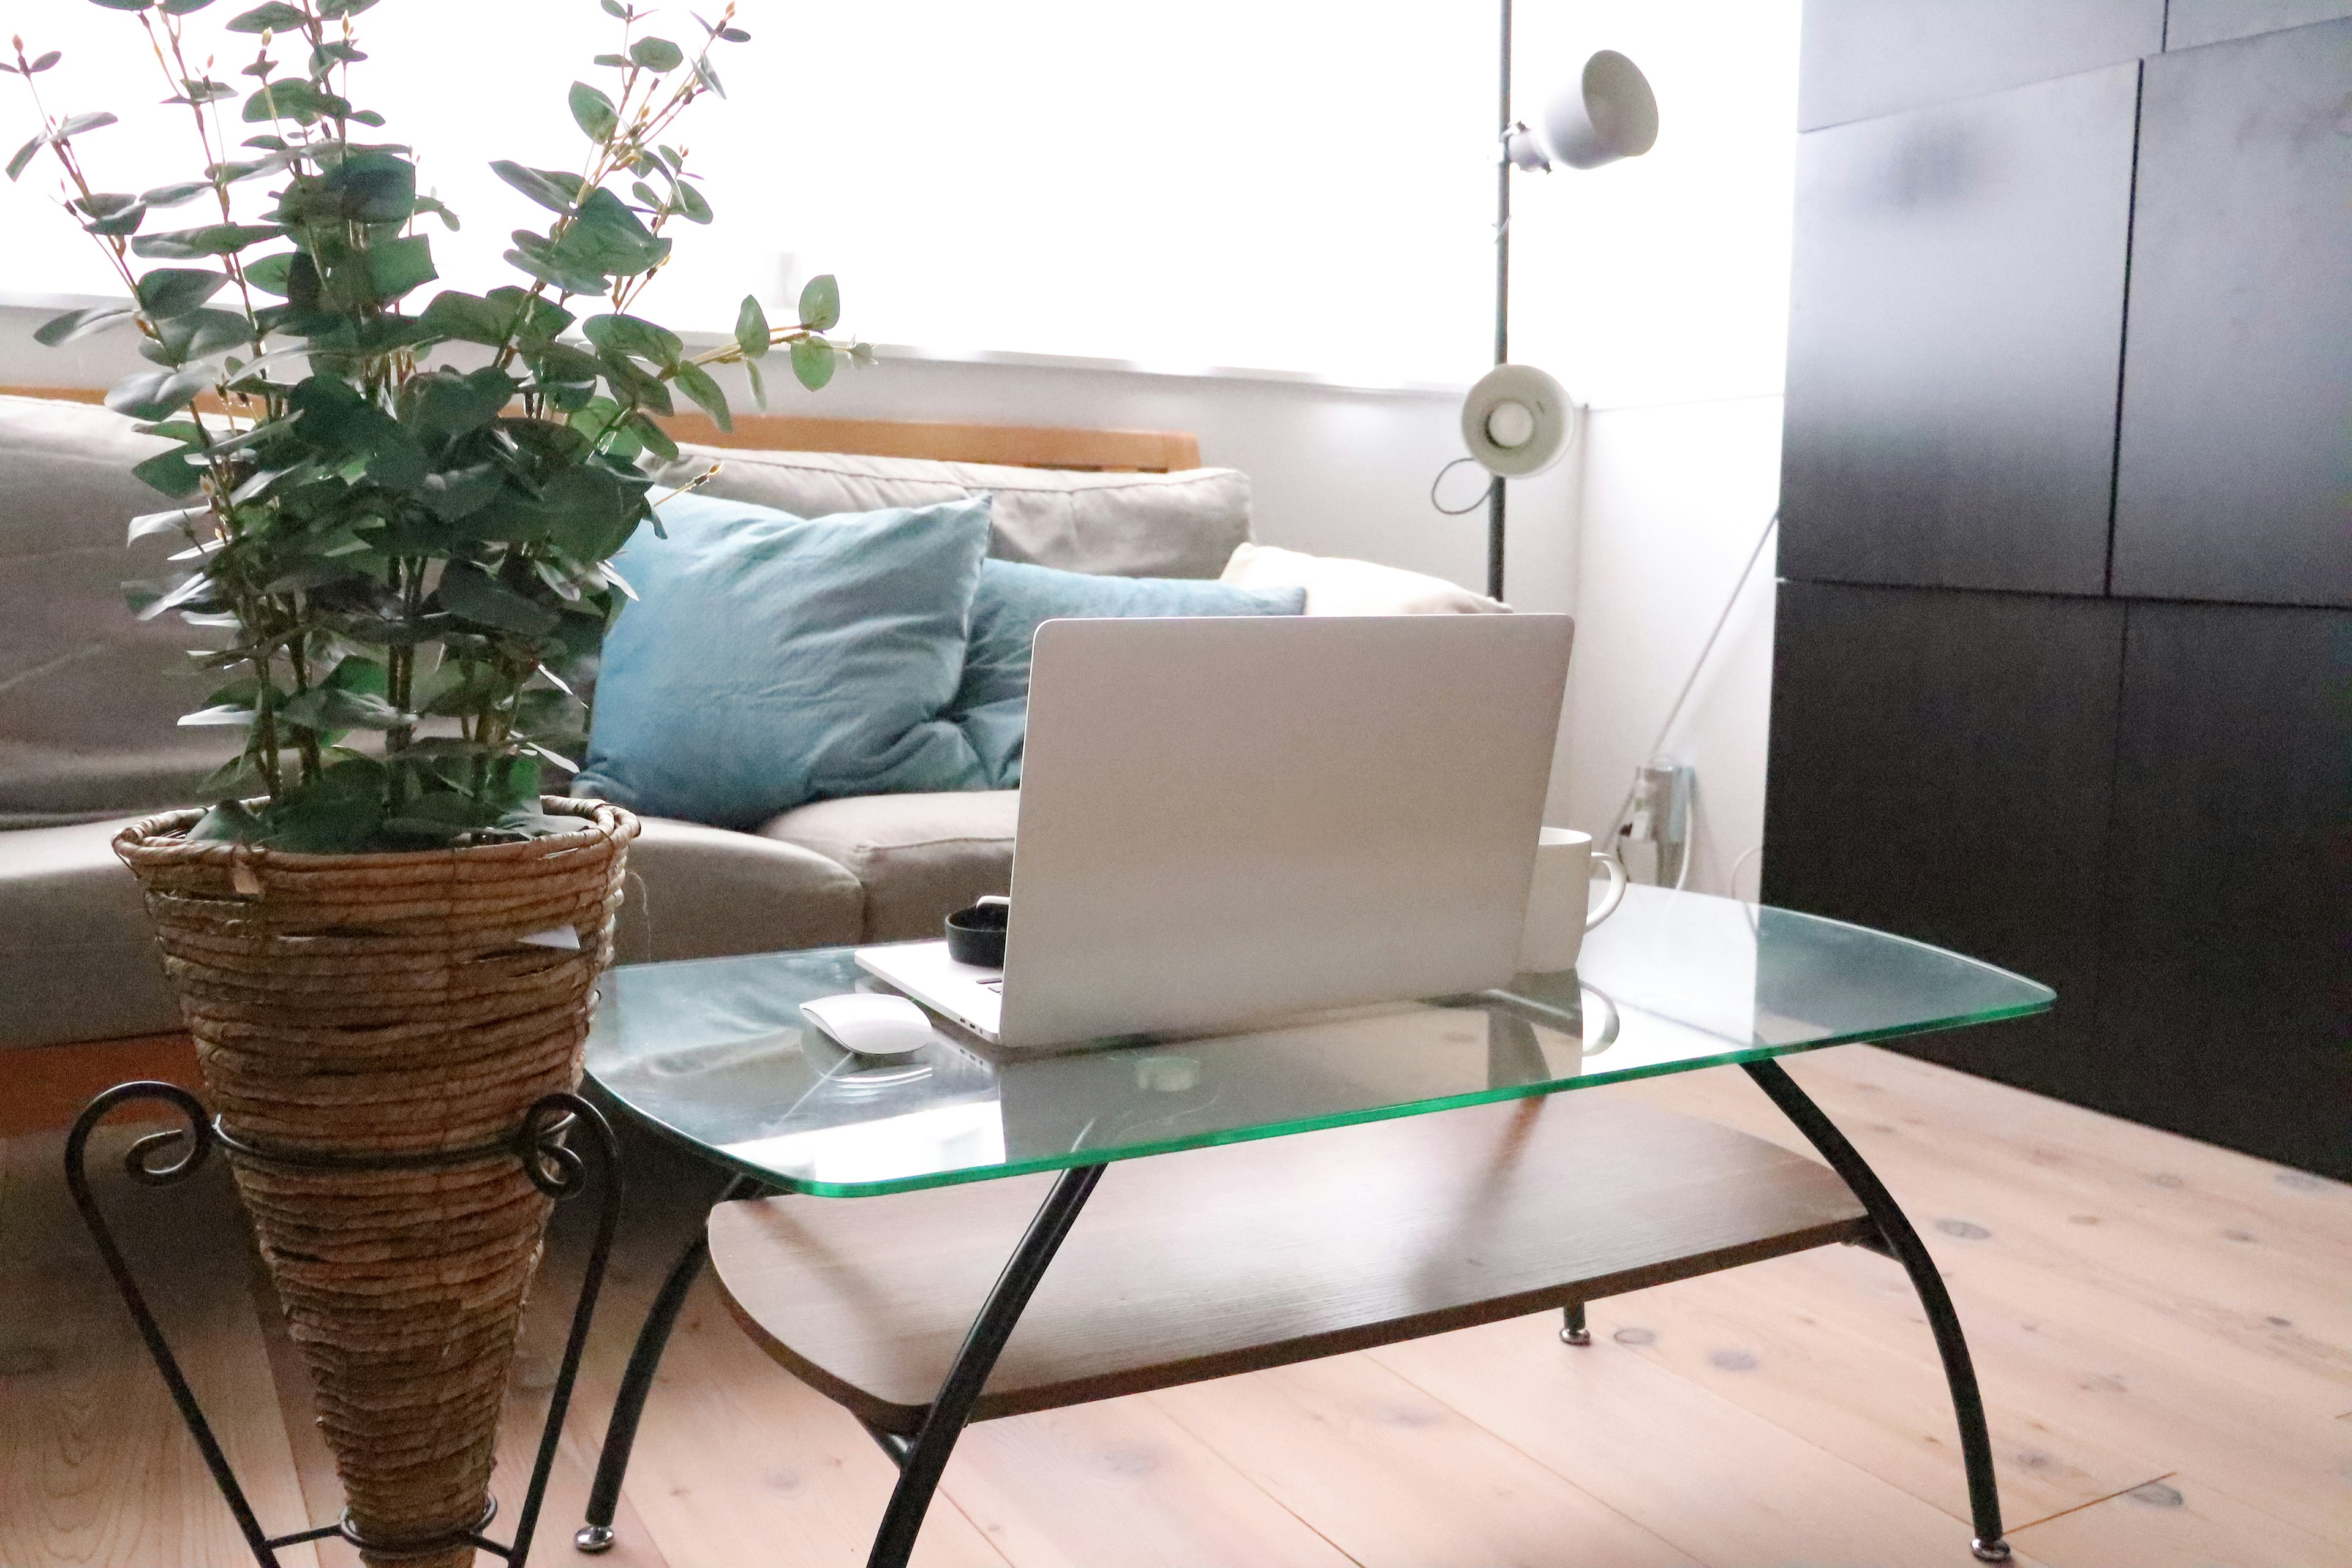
381	1005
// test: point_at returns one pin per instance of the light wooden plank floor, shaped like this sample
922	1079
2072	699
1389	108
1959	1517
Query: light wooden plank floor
2164	1330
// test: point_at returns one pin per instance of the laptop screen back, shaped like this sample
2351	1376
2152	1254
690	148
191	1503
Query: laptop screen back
1232	819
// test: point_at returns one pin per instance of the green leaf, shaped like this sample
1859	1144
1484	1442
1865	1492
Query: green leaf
153	395
170	473
759	384
656	55
213	239
605	237
751	328
468	592
590	511
173	195
73	324
326	708
396	266
460	493
440	405
171	291
296	100
593	111
336	10
821	303
123	220
75	125
366	187
691	203
656	440
533	254
273	274
273	18
613	8
633	335
539	185
813	362
24	155
696	382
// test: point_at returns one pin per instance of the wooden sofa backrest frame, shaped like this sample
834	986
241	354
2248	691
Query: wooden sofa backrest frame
1017	446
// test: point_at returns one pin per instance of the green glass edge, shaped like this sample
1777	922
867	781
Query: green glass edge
1075	1157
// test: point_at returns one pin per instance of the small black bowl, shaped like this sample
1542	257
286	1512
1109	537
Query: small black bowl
976	935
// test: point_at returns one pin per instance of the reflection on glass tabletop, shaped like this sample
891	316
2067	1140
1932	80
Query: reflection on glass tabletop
715	1052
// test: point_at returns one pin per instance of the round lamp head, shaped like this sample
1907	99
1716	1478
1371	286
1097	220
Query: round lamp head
1516	421
1609	114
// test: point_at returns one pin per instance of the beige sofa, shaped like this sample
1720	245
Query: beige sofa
90	700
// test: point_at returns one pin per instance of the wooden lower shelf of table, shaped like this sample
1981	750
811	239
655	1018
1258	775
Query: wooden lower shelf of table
1214	1261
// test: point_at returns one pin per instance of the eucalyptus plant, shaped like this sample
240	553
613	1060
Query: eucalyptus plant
402	520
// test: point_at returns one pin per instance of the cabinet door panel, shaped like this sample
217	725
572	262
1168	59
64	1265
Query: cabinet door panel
2235	479
2225	996
1865	57
2193	23
1940	768
1955	334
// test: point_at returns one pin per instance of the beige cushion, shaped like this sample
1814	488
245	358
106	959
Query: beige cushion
76	961
1184	524
921	857
706	893
1338	587
89	698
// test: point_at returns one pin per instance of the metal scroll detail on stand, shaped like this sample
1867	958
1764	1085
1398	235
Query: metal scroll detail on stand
537	1143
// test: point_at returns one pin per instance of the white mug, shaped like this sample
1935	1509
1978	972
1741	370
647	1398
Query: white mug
1558	901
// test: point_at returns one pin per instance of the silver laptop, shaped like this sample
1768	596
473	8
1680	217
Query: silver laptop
1232	820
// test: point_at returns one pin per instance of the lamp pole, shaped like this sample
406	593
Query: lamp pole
1495	495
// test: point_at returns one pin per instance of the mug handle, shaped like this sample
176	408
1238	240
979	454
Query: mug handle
1616	894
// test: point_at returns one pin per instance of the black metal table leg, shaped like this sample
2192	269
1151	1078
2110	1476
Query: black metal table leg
1904	1244
621	1433
927	1458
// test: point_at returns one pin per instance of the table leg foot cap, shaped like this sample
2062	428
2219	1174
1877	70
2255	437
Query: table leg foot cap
1576	1336
1989	1550
599	1538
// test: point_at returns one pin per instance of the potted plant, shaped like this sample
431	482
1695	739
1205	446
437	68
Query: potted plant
398	520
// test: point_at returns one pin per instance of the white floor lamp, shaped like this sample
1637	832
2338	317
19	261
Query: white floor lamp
1516	420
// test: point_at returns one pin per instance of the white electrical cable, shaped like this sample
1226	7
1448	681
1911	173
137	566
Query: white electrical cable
1698	665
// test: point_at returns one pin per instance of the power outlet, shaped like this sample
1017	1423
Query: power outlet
1660	815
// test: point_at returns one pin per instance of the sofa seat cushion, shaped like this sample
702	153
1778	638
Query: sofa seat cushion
921	857
708	893
76	960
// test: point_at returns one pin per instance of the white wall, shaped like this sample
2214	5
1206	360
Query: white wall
1657	289
1336	470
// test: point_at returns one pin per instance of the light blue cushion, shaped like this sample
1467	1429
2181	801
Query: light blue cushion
1015	598
769	661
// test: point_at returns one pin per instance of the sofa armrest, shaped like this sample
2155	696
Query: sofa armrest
708	892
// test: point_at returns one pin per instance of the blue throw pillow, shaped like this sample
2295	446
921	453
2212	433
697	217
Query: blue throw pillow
769	661
1013	598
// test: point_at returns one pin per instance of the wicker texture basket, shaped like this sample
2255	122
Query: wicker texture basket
381	1005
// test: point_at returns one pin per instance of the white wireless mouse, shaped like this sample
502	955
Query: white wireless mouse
868	1024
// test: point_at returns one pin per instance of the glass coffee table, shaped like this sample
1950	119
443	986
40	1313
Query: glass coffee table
1449	1180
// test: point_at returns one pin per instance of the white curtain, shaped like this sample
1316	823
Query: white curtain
1300	184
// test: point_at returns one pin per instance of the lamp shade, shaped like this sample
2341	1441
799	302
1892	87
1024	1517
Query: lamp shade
1607	114
1516	421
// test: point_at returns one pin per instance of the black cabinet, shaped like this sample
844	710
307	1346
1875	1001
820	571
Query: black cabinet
2224	1006
2235	476
1940	767
1865	57
2192	23
1955	334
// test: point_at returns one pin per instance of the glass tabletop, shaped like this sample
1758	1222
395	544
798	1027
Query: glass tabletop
715	1052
